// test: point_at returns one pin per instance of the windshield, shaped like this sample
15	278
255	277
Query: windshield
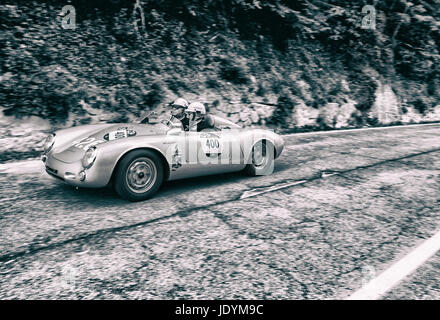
162	119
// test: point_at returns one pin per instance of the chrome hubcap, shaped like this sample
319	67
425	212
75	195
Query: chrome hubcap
259	155
141	175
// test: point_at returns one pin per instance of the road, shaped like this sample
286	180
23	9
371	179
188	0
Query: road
338	210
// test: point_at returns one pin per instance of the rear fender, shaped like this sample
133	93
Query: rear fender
251	138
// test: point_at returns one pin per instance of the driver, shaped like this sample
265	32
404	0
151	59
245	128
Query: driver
198	119
178	112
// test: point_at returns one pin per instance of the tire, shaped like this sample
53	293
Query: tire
139	175
264	165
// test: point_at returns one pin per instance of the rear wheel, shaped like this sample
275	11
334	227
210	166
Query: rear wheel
262	159
139	175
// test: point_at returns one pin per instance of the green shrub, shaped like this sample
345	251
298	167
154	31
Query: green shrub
283	110
261	91
421	106
232	73
47	71
404	110
212	84
154	96
364	90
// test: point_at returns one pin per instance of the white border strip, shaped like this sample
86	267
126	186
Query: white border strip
377	287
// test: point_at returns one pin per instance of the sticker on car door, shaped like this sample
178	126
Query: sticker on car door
211	143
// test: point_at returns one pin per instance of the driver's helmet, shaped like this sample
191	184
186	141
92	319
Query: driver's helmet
196	111
178	108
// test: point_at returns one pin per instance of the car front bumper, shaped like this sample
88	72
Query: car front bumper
74	173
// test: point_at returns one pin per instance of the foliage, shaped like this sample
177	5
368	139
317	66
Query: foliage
121	59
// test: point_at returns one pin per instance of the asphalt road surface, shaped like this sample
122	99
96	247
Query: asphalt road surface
338	210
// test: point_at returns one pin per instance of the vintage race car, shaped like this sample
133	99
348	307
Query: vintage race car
137	158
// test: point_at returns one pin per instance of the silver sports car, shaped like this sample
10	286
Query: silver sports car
137	158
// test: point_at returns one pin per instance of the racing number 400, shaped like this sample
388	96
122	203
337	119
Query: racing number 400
212	143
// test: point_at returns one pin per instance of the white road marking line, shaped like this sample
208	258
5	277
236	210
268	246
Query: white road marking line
253	193
377	287
326	174
359	130
260	190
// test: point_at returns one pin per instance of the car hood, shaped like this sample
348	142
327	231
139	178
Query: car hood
75	141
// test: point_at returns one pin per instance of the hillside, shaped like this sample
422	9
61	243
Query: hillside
286	64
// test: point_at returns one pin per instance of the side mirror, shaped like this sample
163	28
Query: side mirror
146	119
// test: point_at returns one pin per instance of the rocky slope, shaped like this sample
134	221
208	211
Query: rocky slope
315	68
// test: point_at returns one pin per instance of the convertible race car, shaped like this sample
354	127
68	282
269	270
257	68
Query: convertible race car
137	158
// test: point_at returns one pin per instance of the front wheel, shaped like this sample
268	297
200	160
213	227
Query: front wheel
139	175
262	159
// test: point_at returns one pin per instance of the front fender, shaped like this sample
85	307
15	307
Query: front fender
64	137
110	153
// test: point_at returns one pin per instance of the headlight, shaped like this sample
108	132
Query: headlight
89	157
48	143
